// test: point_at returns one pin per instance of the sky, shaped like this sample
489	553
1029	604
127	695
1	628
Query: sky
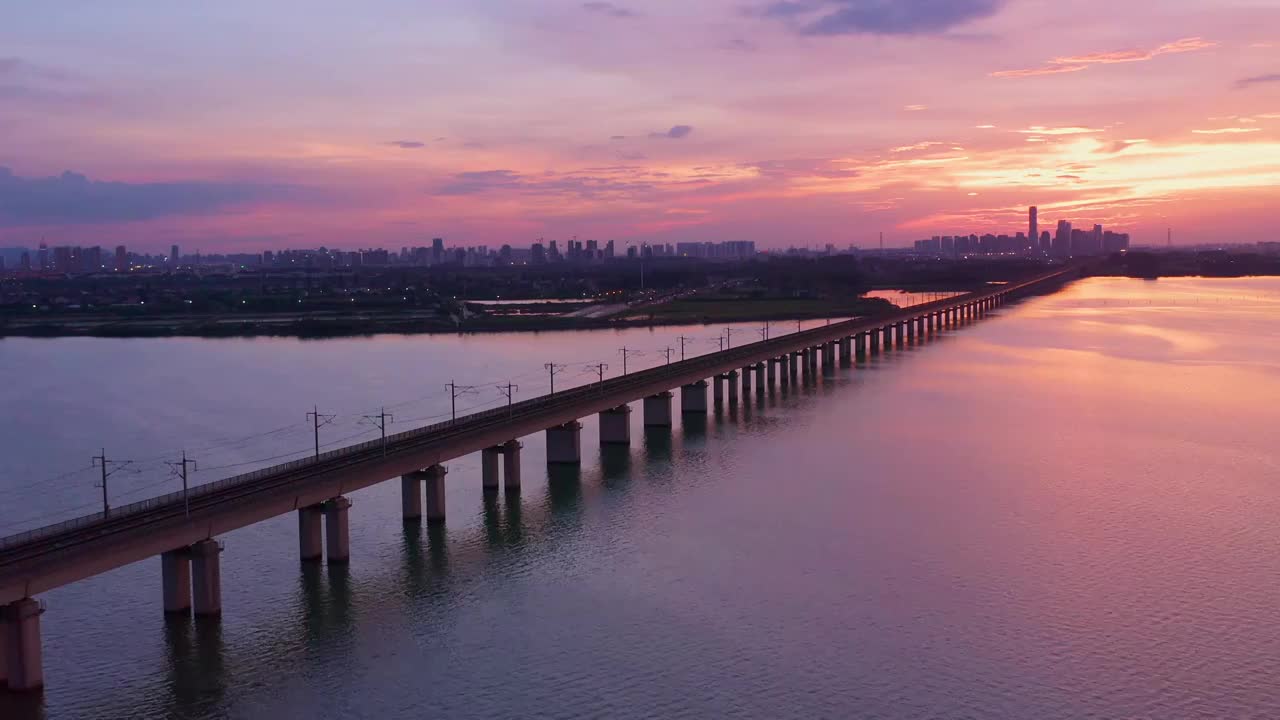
240	126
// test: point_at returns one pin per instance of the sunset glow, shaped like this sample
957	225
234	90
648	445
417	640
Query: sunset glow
245	126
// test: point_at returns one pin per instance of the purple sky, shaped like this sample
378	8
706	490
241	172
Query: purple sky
246	126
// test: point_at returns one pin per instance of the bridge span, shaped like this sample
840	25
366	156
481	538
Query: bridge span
182	528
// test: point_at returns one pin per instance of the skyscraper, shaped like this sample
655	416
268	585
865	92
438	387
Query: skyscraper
437	251
1062	241
122	259
174	256
1034	228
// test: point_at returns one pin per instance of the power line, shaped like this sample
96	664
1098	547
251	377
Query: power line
509	390
102	462
553	369
180	469
454	391
318	421
380	420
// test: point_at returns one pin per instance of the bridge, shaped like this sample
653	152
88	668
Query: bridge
182	527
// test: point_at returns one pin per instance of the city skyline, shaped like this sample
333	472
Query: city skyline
825	121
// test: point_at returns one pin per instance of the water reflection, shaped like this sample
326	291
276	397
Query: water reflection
196	664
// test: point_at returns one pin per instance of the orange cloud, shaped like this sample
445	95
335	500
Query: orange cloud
1076	63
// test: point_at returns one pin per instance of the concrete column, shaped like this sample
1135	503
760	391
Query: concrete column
797	361
411	496
511	465
860	345
564	444
337	530
733	387
901	335
760	378
489	458
434	476
20	645
310	533
746	382
175	577
911	329
771	374
693	398
828	355
615	426
846	350
717	385
657	410
206	578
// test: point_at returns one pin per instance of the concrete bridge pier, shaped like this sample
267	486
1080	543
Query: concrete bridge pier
564	444
901	335
411	491
828	355
873	339
21	661
760	378
717	389
746	383
797	361
693	398
733	388
511	466
206	578
175	578
337	530
911	330
860	345
806	367
434	477
846	351
311	534
771	374
615	426
490	459
657	410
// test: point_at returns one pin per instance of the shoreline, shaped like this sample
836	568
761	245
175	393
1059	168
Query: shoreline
212	327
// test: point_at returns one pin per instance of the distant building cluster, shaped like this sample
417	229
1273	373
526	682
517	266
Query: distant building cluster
68	260
1065	242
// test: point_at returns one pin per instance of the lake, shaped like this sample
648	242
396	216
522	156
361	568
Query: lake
1066	510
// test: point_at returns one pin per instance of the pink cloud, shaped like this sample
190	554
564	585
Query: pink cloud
1077	63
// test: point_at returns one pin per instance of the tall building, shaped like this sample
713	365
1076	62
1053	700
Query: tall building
174	256
1034	225
1062	241
122	259
437	251
43	256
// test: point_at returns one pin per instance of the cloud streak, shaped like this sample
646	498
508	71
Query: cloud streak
608	8
1258	80
72	198
677	132
1077	63
407	144
879	17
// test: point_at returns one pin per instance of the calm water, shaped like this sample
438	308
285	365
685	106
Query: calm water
1065	511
